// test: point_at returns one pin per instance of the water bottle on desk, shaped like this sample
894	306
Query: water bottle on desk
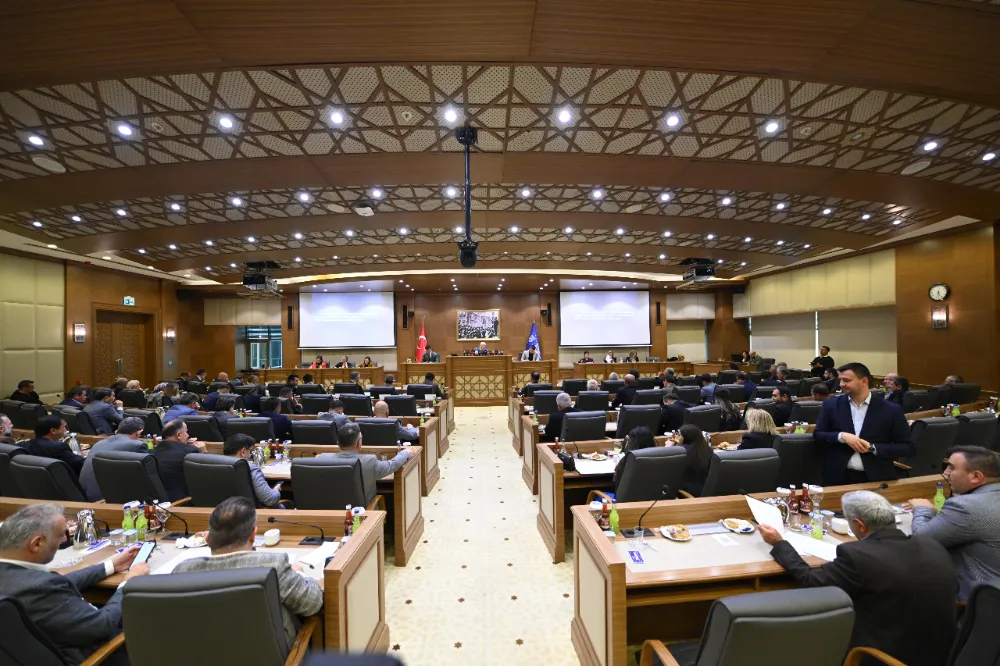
939	497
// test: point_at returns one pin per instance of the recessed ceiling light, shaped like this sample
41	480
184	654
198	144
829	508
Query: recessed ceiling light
721	261
747	239
76	218
780	205
806	246
897	222
568	230
251	239
349	233
450	114
298	259
175	206
989	156
503	279
667	234
743	263
551	280
827	211
171	247
710	236
226	122
619	231
628	254
377	193
297	236
232	265
141	251
458	230
590	254
236	201
565	115
412	289
121	212
781	242
514	229
866	216
36	223
109	259
597	194
727	201
662	257
336	117
665	196
51	247
771	127
304	197
124	129
324	290
548	252
208	268
209	243
336	257
525	192
673	120
930	145
403	231
450	192
36	140
375	256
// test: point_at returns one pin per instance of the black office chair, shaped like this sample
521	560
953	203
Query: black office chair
303	389
378	432
795	373
584	426
768	406
328	483
258	427
612	385
648	397
316	403
689	394
242	389
8	488
816	621
706	417
216	385
530	389
648	383
933	437
211	478
805	387
377	392
356	404
633	416
766	363
913	401
978	641
574	386
977	428
727	377
30	413
545	401
801	459
737	392
647	471
77	420
593	401
12	408
938	396
125	476
22	643
738	472
285	406
154	425
132	398
401	405
45	479
806	410
198	387
274	388
963	394
420	390
203	427
200	605
314	432
754	376
793	385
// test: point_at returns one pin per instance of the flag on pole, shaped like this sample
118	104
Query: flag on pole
421	343
533	340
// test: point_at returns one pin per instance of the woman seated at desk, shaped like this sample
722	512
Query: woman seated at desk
367	363
730	412
762	430
639	438
251	401
699	456
609	357
633	357
319	363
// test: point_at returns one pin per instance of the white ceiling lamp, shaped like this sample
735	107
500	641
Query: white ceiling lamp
781	242
747	239
590	254
171	247
337	117
568	230
451	192
251	239
672	120
298	260
503	279
597	194
226	122
377	193
236	201
106	258
305	197
336	257
525	192
450	115
141	251
514	229
208	268
209	243
187	275
897	222
930	145
989	157
828	211
662	257
628	254
37	224
668	234
297	236
458	230
35	140
721	261
771	127
375	256
806	246
349	233
727	201
76	218
121	212
175	206
780	205
710	237
743	263
53	247
564	116
866	217
124	129
619	231
403	231
664	197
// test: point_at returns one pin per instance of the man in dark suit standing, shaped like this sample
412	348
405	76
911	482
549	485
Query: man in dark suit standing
48	443
29	540
626	393
862	436
903	587
553	428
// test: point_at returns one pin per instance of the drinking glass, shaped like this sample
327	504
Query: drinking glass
617	447
816	495
286	448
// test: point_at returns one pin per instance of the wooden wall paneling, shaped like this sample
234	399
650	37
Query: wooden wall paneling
658	332
726	335
290	355
202	346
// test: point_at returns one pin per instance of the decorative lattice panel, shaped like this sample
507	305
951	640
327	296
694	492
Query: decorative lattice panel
479	387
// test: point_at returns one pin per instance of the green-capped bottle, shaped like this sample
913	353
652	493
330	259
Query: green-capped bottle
939	496
613	517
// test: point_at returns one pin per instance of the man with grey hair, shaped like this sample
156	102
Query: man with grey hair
553	429
593	385
372	469
903	587
781	374
626	393
128	437
356	380
6	430
29	540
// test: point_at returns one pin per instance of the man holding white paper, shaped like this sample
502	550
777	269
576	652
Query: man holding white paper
903	588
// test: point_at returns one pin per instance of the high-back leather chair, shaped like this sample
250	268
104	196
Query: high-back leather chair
738	472
274	388
592	401
315	403
768	406
378	432
801	459
401	405
933	437
964	394
648	397
977	428
203	427
154	425
419	390
328	483
612	385
689	380
211	478
633	416
584	426
647	383
574	386
760	393
689	394
242	389
652	359
8	487
793	386
647	471
529	390
22	643
203	606
124	476
198	387
805	387
737	392
728	376
794	373
707	417
77	420
356	404
938	396
545	401
978	641
815	621
806	410
302	389
132	398
913	401
258	427
766	363
314	432
30	413
12	408
377	392
45	479
216	385
285	406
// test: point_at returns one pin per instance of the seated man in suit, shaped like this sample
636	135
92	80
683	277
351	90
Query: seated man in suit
671	414
271	408
553	429
753	359
748	385
183	380
767	379
224	377
289	393
225	409
372	469
344	363
626	393
336	414
75	397
6	430
593	385
531	354
292	380
430	356
26	392
586	358
356	380
429	379
781	374
536	377
239	446
208	404
407	433
822	362
29	540
50	431
187	405
105	412
170	453
127	438
819	392
896	389
481	350
862	437
782	405
200	375
232	528
969	522
903	587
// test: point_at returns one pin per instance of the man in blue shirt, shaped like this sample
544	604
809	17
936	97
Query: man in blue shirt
209	402
75	397
239	446
187	406
271	408
707	388
748	386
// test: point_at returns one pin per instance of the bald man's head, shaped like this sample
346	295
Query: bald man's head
381	409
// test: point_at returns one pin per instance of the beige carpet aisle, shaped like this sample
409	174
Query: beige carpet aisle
481	588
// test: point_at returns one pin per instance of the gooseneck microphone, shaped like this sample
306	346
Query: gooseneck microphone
173	536
309	540
639	531
577	448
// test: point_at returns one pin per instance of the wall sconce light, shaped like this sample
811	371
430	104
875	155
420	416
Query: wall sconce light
939	316
171	335
79	332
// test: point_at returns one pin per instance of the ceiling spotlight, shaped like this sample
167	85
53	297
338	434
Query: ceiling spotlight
662	257
297	236
781	242
667	234
548	252
806	246
251	239
989	156
236	201
727	201
336	117
452	279
673	120
121	212
590	254
124	129
51	247
897	222
827	211
866	216
710	236
349	233
37	224
771	127
209	243
451	192
665	197
619	231
36	140
525	192
76	218
450	114
232	265
628	254
568	230
175	206
298	259
304	197
171	247
503	279
721	261
597	194
403	231
514	229
458	230
565	116
226	122
336	257
743	263
109	259
780	205
376	193
930	145
208	268
747	239
551	280
375	256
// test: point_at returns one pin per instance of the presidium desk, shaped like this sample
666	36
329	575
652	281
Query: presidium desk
479	381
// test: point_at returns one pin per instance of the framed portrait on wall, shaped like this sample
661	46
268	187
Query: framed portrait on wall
479	325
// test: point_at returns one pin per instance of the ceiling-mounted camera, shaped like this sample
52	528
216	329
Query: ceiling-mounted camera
467	136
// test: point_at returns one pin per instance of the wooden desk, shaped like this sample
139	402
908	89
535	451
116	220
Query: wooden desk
615	607
354	617
472	380
369	376
601	371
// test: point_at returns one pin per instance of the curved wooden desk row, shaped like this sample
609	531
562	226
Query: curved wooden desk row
369	376
353	615
616	606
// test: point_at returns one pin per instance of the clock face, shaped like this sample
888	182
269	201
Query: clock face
939	292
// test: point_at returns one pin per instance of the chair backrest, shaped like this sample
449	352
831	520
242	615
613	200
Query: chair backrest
285	406
124	476
378	432
376	392
204	427
12	408
211	478
801	459
652	359
768	406
914	401
806	410
707	417
316	403
754	376
132	398
45	479
419	390
258	427
612	385
530	389
689	394
647	383
8	487
401	405
647	471
737	392
21	642
216	385
978	641
314	432
545	401
583	426
963	394
356	404
592	401
200	605
794	373
574	386
938	396
728	376
648	397
978	429
328	483
274	388
198	387
154	425
933	437
793	385
302	389
242	389
786	623
76	420
766	363
633	416
689	380
30	413
738	472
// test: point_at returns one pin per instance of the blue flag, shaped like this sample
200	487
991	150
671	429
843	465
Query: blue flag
533	340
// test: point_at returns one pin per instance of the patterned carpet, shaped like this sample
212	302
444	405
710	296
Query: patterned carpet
481	588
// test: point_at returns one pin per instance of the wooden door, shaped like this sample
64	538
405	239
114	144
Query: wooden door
122	347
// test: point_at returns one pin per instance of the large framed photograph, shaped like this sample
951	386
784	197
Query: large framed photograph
479	325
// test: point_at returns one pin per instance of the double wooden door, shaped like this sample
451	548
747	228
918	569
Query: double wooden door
122	347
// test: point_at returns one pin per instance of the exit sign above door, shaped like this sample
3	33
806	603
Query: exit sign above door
129	300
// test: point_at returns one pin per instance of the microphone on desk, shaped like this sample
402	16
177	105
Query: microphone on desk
309	540
639	531
173	535
106	525
577	449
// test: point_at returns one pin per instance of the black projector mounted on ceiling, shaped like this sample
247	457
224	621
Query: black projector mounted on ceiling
699	269
256	277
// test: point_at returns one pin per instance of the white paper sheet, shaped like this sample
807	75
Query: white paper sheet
766	514
804	544
182	555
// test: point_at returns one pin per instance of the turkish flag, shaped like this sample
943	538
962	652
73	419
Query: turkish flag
421	344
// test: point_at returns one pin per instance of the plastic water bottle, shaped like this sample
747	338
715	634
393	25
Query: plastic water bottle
939	496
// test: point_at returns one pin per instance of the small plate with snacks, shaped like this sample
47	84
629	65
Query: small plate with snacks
738	525
729	446
675	532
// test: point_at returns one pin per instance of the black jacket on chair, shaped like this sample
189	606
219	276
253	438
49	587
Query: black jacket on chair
553	428
46	448
903	588
757	440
